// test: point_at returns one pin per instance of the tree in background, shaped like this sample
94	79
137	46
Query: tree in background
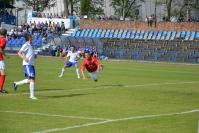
126	8
168	6
71	7
40	5
179	8
85	6
91	8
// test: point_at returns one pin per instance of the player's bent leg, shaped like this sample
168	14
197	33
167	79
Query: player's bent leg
93	75
63	71
22	82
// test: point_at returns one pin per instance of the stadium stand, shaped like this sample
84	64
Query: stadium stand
175	46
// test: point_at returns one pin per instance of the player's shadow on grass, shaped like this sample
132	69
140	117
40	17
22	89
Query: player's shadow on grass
69	95
43	90
111	85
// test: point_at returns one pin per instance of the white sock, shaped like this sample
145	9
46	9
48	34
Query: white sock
25	81
32	87
78	73
62	71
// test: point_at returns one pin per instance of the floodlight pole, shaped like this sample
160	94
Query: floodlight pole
155	12
17	17
188	7
4	10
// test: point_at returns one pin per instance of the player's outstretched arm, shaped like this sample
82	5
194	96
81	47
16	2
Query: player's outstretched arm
83	75
21	55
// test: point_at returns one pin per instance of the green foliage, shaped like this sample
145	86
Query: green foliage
40	5
91	7
126	8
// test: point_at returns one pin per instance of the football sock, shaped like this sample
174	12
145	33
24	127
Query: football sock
78	73
2	80
62	71
32	84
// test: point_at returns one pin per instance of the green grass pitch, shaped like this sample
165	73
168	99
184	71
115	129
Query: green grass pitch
129	97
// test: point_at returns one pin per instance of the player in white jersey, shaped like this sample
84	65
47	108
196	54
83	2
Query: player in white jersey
71	60
27	54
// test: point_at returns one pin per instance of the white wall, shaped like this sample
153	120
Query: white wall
67	22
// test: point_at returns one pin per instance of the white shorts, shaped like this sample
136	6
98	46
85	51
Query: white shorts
93	75
2	65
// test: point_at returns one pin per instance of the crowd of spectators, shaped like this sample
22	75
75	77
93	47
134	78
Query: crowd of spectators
7	16
151	20
40	28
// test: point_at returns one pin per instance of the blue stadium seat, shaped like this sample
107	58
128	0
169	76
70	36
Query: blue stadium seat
150	35
159	35
86	33
178	35
192	37
115	34
197	35
173	35
155	33
187	36
137	34
164	34
183	34
77	34
110	35
133	33
82	33
128	35
107	33
124	34
94	34
146	35
90	33
142	35
169	33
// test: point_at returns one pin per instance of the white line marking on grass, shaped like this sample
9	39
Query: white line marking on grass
54	115
116	120
181	72
104	87
159	84
198	126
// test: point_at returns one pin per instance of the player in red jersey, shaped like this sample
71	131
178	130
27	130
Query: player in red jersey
92	65
3	33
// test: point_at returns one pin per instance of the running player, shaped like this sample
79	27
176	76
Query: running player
3	33
92	65
71	60
27	54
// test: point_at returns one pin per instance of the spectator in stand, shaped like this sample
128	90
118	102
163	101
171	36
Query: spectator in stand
63	29
147	20
58	28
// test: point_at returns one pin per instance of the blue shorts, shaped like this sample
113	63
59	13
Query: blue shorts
29	71
69	64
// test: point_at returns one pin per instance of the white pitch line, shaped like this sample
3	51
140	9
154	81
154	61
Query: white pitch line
198	126
181	72
166	83
116	120
104	87
54	115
